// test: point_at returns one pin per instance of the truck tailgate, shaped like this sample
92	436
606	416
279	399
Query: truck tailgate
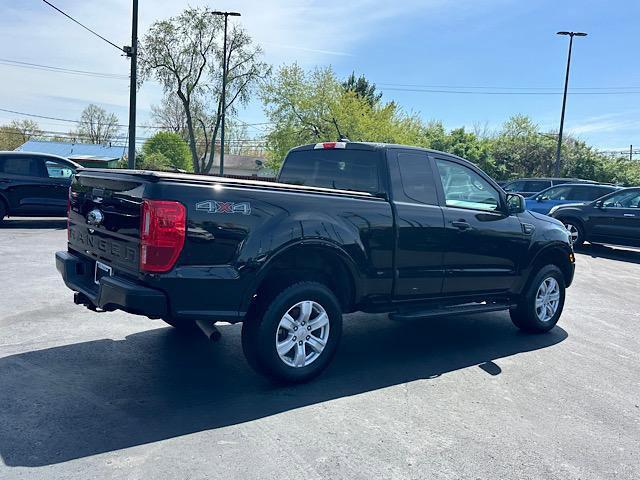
104	218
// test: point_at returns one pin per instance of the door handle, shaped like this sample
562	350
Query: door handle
629	214
461	224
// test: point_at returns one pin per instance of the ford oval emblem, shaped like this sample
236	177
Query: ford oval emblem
95	217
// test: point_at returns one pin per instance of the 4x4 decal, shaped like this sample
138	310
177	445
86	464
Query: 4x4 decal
212	206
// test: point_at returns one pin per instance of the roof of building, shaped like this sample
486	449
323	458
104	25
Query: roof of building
73	150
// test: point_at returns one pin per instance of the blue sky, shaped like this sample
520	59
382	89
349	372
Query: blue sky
502	45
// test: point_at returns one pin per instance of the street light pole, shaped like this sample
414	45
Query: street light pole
224	84
132	53
564	97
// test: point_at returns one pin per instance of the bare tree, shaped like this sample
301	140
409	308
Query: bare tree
169	115
17	133
184	54
96	125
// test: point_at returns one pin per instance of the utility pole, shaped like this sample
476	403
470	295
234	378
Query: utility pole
564	96
224	84
132	53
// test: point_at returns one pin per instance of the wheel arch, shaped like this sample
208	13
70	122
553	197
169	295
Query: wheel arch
310	260
559	255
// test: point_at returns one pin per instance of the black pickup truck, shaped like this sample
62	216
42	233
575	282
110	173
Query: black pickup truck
348	227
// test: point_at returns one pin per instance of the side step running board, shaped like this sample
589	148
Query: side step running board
470	308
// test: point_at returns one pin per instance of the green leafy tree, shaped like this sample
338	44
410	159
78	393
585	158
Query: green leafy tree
170	147
306	106
154	161
363	88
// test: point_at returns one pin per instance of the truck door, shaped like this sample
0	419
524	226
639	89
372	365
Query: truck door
484	245
420	225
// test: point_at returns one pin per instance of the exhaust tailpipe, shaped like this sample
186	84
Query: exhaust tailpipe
209	329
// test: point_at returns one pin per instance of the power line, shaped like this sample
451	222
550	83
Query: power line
37	66
502	87
83	26
68	120
470	92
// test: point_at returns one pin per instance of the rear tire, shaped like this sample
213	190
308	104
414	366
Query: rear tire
294	335
541	304
3	211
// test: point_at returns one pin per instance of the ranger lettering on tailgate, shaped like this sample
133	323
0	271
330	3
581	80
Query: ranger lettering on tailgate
110	247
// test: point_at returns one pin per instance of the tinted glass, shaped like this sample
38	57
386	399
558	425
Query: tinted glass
556	193
623	200
58	170
417	178
536	185
465	188
20	165
337	168
517	186
591	193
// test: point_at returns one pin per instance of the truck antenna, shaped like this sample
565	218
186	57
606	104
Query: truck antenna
341	138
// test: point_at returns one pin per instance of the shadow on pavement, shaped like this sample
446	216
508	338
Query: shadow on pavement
87	398
604	251
34	223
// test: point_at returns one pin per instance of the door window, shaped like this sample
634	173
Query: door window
465	188
556	193
417	179
623	200
20	165
58	169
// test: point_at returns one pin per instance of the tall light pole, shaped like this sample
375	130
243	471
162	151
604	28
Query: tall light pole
224	83
132	53
564	96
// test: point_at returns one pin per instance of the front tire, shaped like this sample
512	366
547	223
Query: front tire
294	336
3	211
541	304
576	231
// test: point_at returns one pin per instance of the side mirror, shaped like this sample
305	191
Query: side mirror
598	204
515	203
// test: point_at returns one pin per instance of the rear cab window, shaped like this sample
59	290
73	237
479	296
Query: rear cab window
340	168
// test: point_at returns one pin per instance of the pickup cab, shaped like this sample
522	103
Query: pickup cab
349	226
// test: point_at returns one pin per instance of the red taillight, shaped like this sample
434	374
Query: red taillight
329	145
162	232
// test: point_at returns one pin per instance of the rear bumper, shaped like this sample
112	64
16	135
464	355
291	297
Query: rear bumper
112	293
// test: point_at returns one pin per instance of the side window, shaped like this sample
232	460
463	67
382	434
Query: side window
465	188
556	193
593	193
58	170
623	200
20	165
417	178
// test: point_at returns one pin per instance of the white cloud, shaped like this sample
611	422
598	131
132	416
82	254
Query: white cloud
307	31
612	122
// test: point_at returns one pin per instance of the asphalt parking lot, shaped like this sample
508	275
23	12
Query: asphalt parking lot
86	395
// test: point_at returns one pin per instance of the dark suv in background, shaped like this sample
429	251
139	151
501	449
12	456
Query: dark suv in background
530	186
613	219
34	184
